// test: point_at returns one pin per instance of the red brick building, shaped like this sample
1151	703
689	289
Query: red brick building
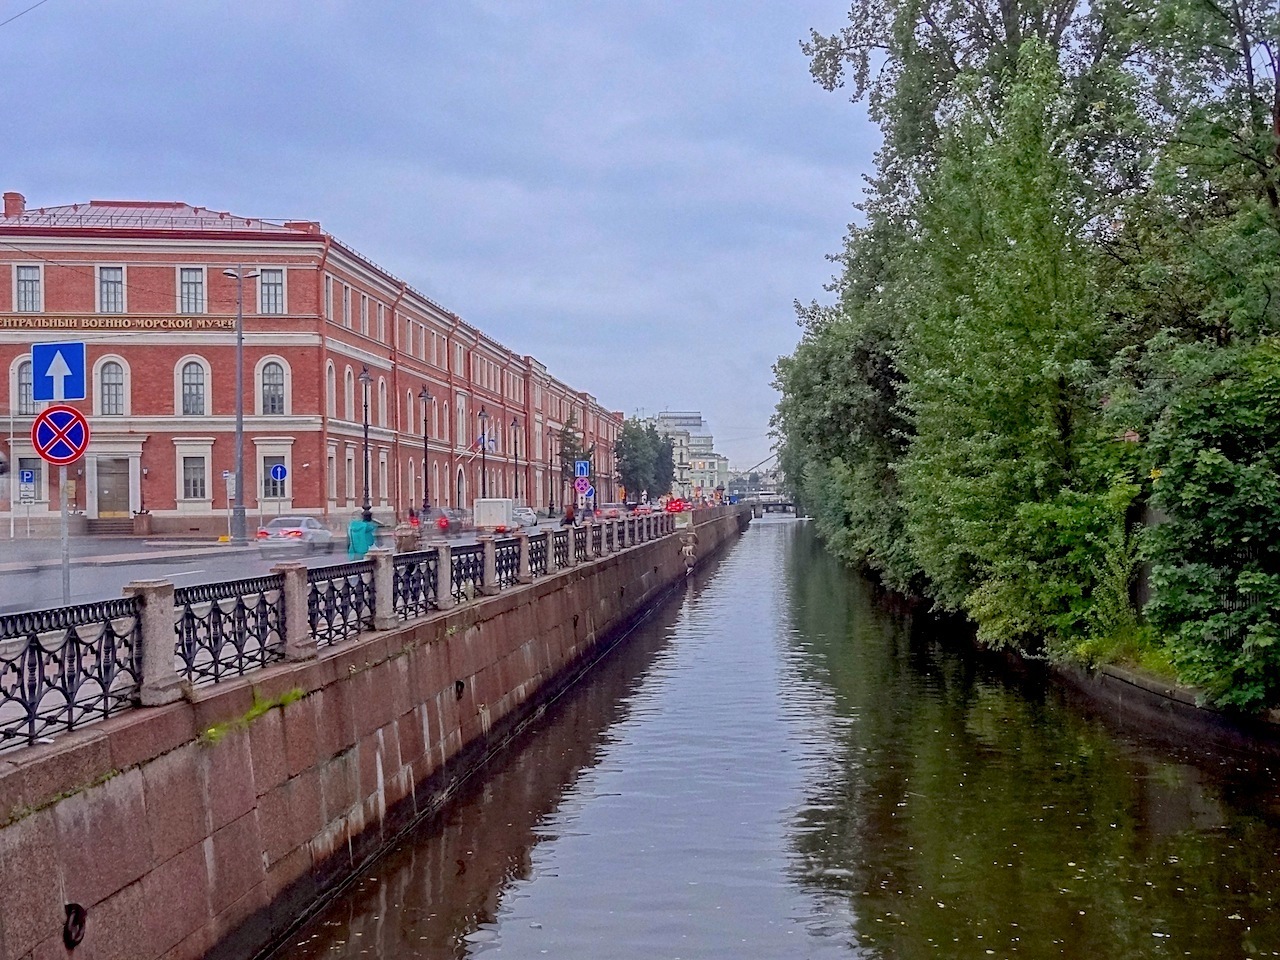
143	284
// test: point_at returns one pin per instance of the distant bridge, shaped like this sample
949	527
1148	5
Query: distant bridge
769	503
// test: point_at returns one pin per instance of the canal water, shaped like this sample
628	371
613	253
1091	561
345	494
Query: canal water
776	764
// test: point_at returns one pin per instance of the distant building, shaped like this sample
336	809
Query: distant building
699	469
144	284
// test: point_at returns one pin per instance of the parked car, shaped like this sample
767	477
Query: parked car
525	516
612	511
295	533
642	510
676	505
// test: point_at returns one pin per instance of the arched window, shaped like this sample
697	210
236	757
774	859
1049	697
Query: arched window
349	388
26	405
331	391
273	388
382	402
193	390
111	389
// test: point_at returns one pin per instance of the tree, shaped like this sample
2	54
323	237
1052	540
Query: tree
636	457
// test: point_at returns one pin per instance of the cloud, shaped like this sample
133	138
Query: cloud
633	193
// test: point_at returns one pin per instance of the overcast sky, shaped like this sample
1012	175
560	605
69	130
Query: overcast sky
632	192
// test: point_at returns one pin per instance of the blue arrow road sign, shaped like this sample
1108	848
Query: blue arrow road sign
57	371
582	468
278	472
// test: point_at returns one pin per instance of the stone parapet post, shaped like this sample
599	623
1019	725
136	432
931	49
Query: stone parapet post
384	585
524	574
406	538
628	525
573	551
299	644
160	682
590	527
444	575
489	581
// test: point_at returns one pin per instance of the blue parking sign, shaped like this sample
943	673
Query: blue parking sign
58	371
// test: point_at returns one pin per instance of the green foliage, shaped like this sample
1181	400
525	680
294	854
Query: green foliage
1216	559
646	463
1069	275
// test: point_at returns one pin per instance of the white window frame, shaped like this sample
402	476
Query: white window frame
328	298
346	305
124	287
331	388
364	314
281	447
177	385
259	406
204	290
127	399
39	268
284	292
194	447
15	369
383	485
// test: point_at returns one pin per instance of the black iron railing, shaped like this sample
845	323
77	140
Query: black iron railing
467	573
506	561
226	629
60	669
415	579
560	548
597	537
580	544
340	601
538	554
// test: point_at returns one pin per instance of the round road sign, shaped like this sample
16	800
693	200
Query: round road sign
582	484
60	435
278	472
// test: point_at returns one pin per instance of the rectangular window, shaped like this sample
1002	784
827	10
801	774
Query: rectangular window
191	290
351	476
193	479
111	289
29	290
364	314
346	305
328	298
382	323
271	291
272	489
333	477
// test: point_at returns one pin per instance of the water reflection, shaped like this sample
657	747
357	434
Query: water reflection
781	765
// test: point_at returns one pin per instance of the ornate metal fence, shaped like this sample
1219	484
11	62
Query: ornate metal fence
62	668
597	538
506	561
580	544
226	629
610	537
340	601
416	582
560	548
467	573
538	554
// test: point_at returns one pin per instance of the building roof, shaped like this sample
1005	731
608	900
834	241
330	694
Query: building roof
149	215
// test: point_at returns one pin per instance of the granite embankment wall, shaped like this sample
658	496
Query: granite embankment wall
209	826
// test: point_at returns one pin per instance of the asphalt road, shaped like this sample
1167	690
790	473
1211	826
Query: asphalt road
31	570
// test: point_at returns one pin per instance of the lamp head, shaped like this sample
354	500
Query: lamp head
365	376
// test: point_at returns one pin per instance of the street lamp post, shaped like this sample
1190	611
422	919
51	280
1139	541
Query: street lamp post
425	397
239	533
366	511
515	446
553	482
484	442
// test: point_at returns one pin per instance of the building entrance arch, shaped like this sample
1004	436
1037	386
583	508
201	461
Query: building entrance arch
462	488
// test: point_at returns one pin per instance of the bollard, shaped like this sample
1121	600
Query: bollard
160	682
444	575
299	643
384	585
489	580
524	574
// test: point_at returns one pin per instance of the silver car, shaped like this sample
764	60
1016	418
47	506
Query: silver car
525	516
289	534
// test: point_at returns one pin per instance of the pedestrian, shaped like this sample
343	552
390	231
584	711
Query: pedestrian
361	535
413	518
568	520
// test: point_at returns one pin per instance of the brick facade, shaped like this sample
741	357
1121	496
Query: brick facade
143	285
